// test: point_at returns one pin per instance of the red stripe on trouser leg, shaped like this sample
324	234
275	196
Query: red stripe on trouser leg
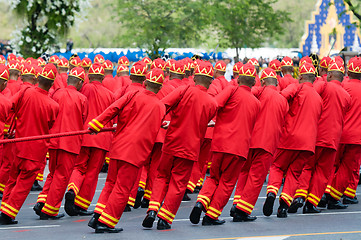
305	177
144	176
134	191
349	161
80	169
61	164
94	165
5	166
118	198
9	210
50	210
293	173
336	165
352	187
40	176
261	162
108	187
166	215
153	168
171	182
21	179
223	178
195	176
325	158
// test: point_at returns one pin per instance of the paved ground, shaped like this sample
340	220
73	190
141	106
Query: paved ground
333	225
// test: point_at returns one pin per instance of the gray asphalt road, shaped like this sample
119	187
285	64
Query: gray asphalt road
330	224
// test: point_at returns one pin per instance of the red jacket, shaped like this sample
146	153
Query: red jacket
176	82
285	81
5	106
73	111
13	86
128	88
218	85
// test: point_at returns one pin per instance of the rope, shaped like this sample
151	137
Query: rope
55	135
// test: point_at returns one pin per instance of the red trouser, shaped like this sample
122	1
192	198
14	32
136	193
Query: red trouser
170	185
134	190
242	178
289	163
40	174
315	174
349	160
144	176
87	168
352	187
117	191
198	168
153	169
61	164
260	164
21	179
219	186
5	166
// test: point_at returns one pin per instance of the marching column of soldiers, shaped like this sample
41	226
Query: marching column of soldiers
174	120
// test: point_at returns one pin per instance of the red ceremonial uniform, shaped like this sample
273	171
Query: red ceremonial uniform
14	86
285	81
5	106
112	84
134	86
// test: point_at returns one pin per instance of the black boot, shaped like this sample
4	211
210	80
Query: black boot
94	221
240	216
83	212
69	206
207	221
335	204
127	208
323	202
186	197
138	198
296	204
268	204
44	216
104	168
1	195
6	220
196	213
309	208
102	228
36	186
282	209
163	225
145	203
233	210
348	200
37	208
149	219
197	189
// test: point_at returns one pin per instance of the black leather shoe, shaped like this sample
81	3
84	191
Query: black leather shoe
282	212
44	216
240	216
186	197
309	208
6	220
102	228
145	203
37	208
127	208
138	198
207	221
163	225
348	200
69	203
323	202
36	187
196	213
268	204
94	221
296	204
334	204
104	168
1	195
149	219
233	210
197	189
83	212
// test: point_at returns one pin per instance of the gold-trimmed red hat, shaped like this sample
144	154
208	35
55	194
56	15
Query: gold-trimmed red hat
139	69
2	59
169	63
75	61
205	69
54	59
147	60
108	65
122	68
78	72
20	59
11	56
340	59
156	75
186	65
99	59
14	65
237	67
123	60
336	66
253	61
275	65
248	70
63	62
268	73
325	62
307	68
177	67
28	70
86	62
38	70
287	62
220	66
304	60
158	63
41	62
4	72
96	68
354	65
49	72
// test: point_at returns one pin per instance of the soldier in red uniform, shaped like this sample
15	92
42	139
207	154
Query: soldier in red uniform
220	82
30	156
73	110
255	63
230	145
122	78
323	68
287	72
84	178
14	70
192	109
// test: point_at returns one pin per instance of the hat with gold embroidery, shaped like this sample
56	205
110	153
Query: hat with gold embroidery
139	69
75	61
96	68
325	61
99	59
253	61
86	62
248	70
147	60
11	56
304	60
354	65
169	63
177	67
156	75
158	63
275	65
78	72
108	65
307	68
186	65
38	70
340	59
49	72
41	62
122	68
20	59
2	59
286	62
336	66
237	67
123	61
4	72
268	73
28	70
205	69
63	62
220	66
14	65
54	59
